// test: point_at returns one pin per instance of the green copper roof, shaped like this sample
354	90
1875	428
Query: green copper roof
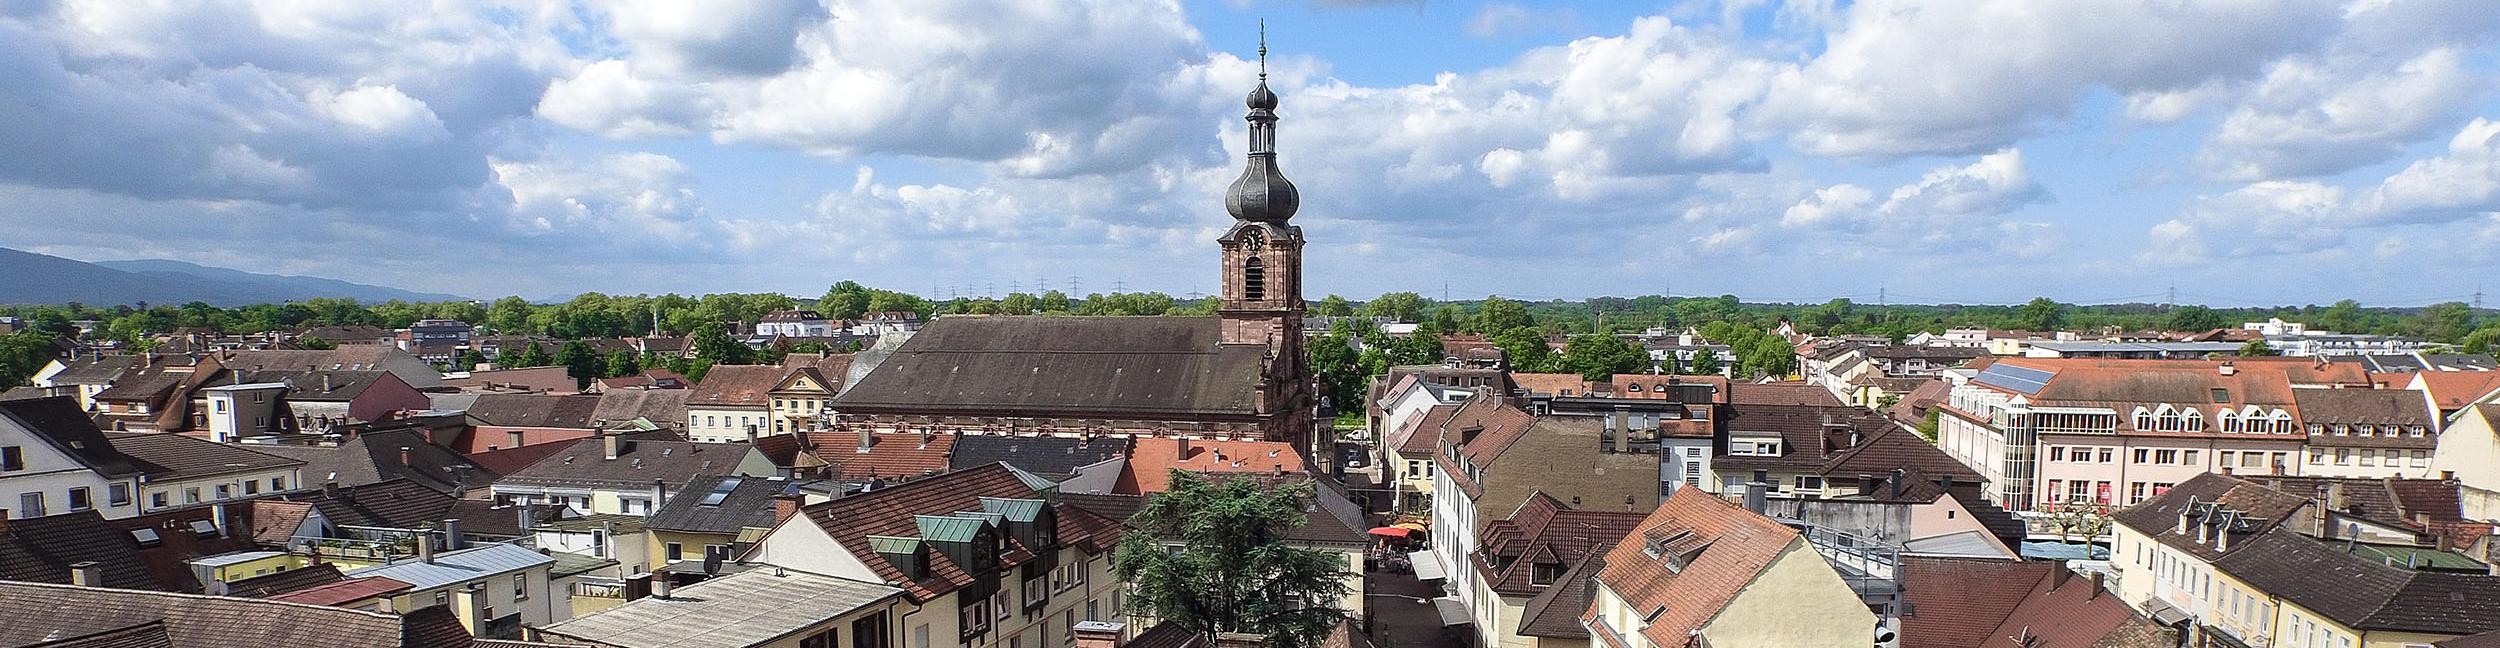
993	518
1019	510
893	545
948	528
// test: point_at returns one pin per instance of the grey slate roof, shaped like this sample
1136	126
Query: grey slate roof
638	462
174	456
747	608
535	410
1041	455
59	421
97	370
394	504
455	567
2364	593
373	458
307	386
41	550
1116	365
40	613
748	504
662	406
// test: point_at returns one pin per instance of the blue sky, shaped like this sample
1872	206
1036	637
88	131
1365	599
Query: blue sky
2238	153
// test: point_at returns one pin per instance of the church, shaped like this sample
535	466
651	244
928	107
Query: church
1240	374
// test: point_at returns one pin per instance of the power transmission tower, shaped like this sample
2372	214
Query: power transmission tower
2170	298
1118	286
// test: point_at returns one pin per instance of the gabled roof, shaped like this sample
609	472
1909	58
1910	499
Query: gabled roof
1421	434
1721	548
1543	531
536	410
1781	393
1317	527
1108	365
1960	602
638	462
661	406
343	591
827	371
348	357
59	422
41	549
735	385
374	457
1042	455
282	582
741	503
325	385
41	612
892	512
2362	593
1153	459
166	456
1555	612
837	454
394	504
2358	406
2453	390
2260	509
93	370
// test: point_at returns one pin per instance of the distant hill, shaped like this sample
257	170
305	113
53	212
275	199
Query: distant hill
30	278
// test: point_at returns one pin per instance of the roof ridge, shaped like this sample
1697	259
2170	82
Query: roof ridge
206	597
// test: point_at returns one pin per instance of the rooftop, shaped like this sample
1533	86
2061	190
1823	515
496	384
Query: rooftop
42	613
458	566
1066	364
747	608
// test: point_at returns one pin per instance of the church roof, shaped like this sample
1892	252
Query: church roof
1068	365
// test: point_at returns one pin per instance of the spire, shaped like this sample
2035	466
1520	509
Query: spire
1262	193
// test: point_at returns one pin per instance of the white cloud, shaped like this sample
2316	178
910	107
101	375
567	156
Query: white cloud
2309	117
1948	207
1503	19
634	199
2291	217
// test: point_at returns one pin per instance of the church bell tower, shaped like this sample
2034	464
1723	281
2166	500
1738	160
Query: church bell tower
1262	301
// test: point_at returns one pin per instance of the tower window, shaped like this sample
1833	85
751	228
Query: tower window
1253	279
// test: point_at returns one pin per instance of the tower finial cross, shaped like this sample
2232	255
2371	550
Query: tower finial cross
1262	49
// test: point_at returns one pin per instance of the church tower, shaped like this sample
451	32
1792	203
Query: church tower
1262	301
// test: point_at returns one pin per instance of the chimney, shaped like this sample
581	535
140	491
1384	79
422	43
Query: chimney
1755	492
637	586
2227	369
1099	634
325	383
661	584
1180	448
867	438
786	506
659	493
403	455
1895	482
2059	575
608	445
527	521
452	540
2100	581
750	435
86	574
425	547
330	490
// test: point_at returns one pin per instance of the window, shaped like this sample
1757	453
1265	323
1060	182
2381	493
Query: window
442	597
2079	491
2223	457
2108	455
2221	395
157	500
2188	457
2056	486
2194	422
1253	279
2343	456
2253	460
2229	420
2143	455
251	487
818	640
1033	593
2421	459
225	491
12	458
220	405
1809	482
2369	457
191	495
277	483
520	585
2165	456
2414	431
117	494
2057	453
974	619
2135	493
869	631
81	499
676	552
920	636
30	505
2317	456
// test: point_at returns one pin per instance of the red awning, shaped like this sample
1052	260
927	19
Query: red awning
1400	533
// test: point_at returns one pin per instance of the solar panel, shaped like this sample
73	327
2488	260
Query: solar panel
2022	379
721	491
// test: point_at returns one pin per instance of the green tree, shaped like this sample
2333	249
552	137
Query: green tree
1213	558
579	362
509	315
1596	356
22	354
620	362
1497	315
2444	322
2041	314
714	344
1332	356
2483	340
1445	320
469	360
530	355
1526	348
2343	317
1334	306
1018	304
1927	427
2257	349
315	343
1705	363
1052	301
2194	318
1400	306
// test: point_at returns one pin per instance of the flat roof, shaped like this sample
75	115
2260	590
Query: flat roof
747	608
235	558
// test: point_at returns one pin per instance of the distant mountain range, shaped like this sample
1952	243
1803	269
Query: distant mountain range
30	278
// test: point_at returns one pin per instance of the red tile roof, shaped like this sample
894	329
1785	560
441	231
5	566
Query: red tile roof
1782	393
1550	384
2453	390
889	512
1543	530
888	455
1152	460
1421	435
736	385
1724	548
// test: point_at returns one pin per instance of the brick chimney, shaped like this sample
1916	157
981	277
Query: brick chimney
786	506
867	438
1100	634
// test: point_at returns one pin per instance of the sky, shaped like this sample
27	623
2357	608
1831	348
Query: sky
2230	152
